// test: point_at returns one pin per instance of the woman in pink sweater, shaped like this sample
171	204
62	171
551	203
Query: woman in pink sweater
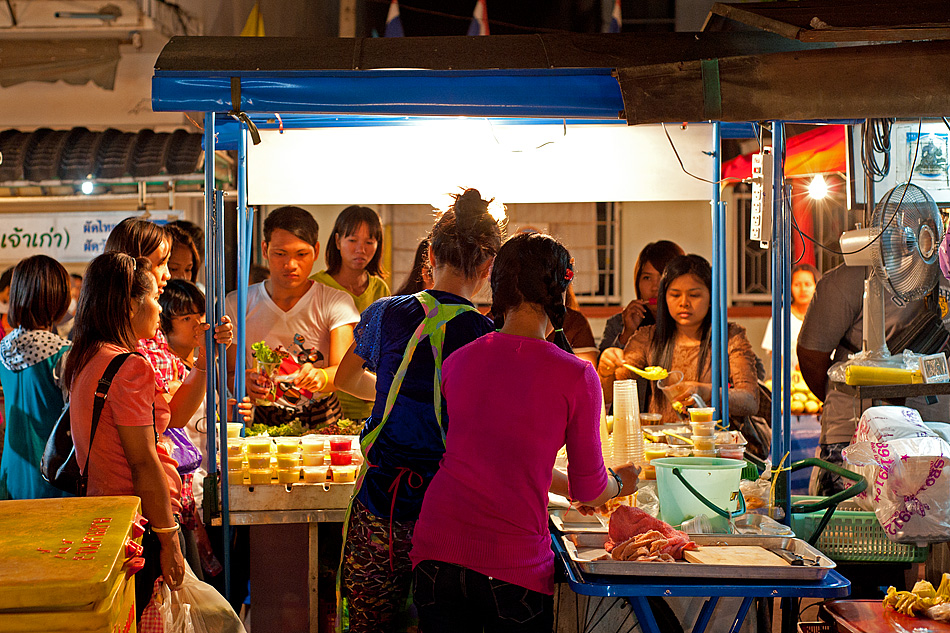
481	549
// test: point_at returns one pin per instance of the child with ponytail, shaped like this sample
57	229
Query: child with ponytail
397	355
481	547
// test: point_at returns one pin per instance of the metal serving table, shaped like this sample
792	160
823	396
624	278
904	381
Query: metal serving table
285	521
636	589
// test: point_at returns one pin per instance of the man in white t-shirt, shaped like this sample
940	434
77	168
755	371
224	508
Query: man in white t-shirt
311	321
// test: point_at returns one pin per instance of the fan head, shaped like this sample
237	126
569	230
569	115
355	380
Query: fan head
911	233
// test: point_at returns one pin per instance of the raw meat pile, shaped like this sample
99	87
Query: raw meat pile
635	535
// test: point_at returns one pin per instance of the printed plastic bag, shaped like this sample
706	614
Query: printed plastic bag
202	608
907	467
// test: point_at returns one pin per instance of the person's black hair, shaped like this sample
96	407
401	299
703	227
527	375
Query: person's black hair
180	298
197	235
39	293
76	276
114	282
536	268
658	254
137	237
6	278
466	235
294	220
664	336
183	239
807	268
416	282
348	223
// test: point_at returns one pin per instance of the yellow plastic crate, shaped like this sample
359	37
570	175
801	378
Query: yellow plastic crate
854	535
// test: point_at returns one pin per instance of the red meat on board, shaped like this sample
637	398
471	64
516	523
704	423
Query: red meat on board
627	522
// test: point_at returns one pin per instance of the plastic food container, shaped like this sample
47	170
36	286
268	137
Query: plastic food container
342	458
679	451
235	462
313	459
704	443
343	474
287	444
288	475
236	476
656	451
258	476
235	446
313	444
234	429
650	419
703	428
314	474
341	444
701	414
732	451
257	444
258	461
702	453
288	460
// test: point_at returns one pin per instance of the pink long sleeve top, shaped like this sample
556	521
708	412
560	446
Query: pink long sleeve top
512	403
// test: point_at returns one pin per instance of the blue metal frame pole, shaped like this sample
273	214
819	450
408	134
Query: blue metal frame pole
222	376
243	265
718	264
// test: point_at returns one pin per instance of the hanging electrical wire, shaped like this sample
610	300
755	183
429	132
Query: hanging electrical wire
876	139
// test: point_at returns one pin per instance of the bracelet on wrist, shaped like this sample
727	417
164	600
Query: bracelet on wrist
166	530
619	481
326	378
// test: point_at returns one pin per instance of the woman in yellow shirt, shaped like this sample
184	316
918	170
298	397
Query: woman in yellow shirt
353	253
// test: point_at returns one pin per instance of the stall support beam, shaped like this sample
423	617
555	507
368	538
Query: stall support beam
222	376
718	301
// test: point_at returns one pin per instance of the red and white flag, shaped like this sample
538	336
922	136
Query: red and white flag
479	24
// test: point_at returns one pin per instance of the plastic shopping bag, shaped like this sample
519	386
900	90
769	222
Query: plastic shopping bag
206	610
907	467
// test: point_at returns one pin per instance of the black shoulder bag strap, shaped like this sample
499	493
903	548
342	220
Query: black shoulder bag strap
100	400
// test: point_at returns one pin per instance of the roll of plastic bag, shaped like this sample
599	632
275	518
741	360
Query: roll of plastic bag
907	467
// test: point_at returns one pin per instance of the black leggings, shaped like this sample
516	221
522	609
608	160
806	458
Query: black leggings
455	599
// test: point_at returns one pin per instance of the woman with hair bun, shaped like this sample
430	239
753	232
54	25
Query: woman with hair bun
481	547
396	358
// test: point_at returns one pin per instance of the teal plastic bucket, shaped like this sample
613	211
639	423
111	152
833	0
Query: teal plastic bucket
689	486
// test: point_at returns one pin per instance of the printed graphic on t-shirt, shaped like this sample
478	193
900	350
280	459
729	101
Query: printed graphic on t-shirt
286	394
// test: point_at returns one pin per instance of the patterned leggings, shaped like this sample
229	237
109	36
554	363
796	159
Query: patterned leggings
375	581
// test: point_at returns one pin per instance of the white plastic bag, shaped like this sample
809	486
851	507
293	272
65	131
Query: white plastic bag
199	608
907	467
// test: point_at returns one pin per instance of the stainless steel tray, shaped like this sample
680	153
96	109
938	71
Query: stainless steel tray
570	520
583	547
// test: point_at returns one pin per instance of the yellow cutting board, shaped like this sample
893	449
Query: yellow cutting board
753	555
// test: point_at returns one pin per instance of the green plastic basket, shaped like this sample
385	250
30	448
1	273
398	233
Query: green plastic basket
854	535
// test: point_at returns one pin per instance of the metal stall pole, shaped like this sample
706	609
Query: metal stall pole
222	367
781	362
214	278
243	265
717	303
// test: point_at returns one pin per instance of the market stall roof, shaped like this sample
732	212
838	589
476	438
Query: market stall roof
640	78
838	21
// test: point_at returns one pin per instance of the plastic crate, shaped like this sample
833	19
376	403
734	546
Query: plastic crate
854	535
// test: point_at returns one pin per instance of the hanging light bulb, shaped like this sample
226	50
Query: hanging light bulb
818	188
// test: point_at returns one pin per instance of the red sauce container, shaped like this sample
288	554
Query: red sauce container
339	444
341	458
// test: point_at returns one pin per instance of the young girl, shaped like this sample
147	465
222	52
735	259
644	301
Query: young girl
481	547
184	261
118	306
804	279
680	341
403	440
354	249
31	359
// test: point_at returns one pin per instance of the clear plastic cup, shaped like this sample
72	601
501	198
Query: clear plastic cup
287	444
699	453
314	474
313	459
236	476
257	444
235	462
704	443
732	451
288	475
235	446
258	476
341	443
650	419
655	451
703	428
234	429
701	414
343	474
341	458
313	444
258	461
288	460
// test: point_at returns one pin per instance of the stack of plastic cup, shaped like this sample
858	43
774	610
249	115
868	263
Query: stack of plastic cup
259	466
627	436
288	460
236	460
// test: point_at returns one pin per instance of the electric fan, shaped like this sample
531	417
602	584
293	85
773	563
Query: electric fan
900	247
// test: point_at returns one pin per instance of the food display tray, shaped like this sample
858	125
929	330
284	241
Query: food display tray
570	520
583	547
